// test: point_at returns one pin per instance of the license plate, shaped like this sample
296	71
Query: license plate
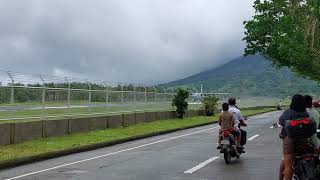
225	142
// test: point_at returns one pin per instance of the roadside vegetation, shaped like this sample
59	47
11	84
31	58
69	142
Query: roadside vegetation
180	102
45	145
210	105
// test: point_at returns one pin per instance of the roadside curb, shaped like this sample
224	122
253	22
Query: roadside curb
54	154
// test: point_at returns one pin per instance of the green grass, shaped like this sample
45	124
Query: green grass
39	146
52	114
30	115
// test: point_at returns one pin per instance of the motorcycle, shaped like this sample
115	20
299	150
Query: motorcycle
278	108
306	165
228	147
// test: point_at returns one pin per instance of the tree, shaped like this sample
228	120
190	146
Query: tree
286	32
210	104
179	101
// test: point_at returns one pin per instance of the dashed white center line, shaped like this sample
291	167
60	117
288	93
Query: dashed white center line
201	165
253	137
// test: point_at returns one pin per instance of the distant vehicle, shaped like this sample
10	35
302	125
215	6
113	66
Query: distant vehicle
278	108
316	104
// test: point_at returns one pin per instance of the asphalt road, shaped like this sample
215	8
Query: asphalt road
185	155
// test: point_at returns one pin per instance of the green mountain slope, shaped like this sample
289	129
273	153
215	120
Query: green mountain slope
251	75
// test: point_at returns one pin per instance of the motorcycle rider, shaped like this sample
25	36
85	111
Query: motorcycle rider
238	119
297	110
226	122
279	105
315	116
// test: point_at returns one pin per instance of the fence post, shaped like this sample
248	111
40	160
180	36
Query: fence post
172	95
12	87
11	94
134	93
145	94
69	96
107	96
107	92
155	94
89	98
121	93
165	93
43	97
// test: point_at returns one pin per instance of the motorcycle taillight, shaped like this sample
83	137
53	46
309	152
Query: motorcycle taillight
307	158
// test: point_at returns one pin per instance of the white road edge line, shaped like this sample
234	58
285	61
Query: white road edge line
258	117
253	137
263	115
201	165
109	154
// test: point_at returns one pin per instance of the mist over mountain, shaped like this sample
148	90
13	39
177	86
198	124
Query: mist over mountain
252	75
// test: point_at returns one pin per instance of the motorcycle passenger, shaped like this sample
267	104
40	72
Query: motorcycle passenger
297	110
226	122
237	119
315	116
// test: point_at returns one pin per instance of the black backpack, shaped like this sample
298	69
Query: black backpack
300	128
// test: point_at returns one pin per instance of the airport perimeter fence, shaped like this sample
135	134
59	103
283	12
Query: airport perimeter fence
29	96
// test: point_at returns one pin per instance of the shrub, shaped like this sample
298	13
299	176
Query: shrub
179	101
210	105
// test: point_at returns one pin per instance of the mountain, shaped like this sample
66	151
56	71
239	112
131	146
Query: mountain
252	75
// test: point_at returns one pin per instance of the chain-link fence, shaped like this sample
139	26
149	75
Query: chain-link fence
30	96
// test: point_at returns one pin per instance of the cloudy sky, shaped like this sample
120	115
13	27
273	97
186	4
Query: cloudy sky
145	41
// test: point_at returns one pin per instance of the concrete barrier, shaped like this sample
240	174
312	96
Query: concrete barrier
140	117
195	112
25	131
172	114
114	121
151	116
5	134
55	127
99	123
202	113
79	125
128	119
192	113
187	114
18	132
163	115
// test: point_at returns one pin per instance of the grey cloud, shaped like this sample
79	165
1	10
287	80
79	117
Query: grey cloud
145	41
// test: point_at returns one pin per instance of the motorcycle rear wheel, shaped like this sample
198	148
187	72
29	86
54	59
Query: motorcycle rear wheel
227	157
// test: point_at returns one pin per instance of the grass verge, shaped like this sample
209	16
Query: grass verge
73	142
